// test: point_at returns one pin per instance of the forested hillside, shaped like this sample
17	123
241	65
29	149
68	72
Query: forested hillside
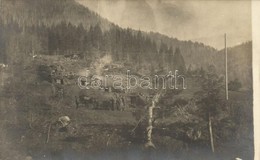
49	12
239	63
71	23
65	27
65	91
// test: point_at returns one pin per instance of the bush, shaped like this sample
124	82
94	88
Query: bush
44	73
234	85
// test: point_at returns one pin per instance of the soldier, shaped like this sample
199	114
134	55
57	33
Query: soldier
115	102
121	103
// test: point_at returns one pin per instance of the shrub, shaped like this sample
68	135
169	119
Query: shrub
234	85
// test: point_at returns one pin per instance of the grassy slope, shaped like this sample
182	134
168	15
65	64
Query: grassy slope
90	130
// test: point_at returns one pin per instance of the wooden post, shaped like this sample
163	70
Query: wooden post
211	135
226	66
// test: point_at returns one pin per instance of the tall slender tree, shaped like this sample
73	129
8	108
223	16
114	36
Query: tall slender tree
210	100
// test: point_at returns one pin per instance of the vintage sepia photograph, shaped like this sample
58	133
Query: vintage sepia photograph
126	79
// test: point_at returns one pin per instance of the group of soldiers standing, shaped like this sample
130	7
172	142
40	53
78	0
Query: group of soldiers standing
114	102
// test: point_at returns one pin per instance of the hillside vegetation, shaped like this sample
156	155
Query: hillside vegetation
46	45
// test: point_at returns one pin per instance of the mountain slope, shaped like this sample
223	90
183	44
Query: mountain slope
239	63
35	13
195	54
49	12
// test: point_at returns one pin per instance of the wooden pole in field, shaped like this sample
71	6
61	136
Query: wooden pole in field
226	66
211	134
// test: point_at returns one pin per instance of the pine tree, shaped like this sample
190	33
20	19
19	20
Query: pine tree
178	62
209	99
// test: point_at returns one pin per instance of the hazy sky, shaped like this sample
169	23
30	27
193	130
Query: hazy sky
197	20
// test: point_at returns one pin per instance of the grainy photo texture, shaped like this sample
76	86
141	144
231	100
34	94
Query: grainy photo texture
126	79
